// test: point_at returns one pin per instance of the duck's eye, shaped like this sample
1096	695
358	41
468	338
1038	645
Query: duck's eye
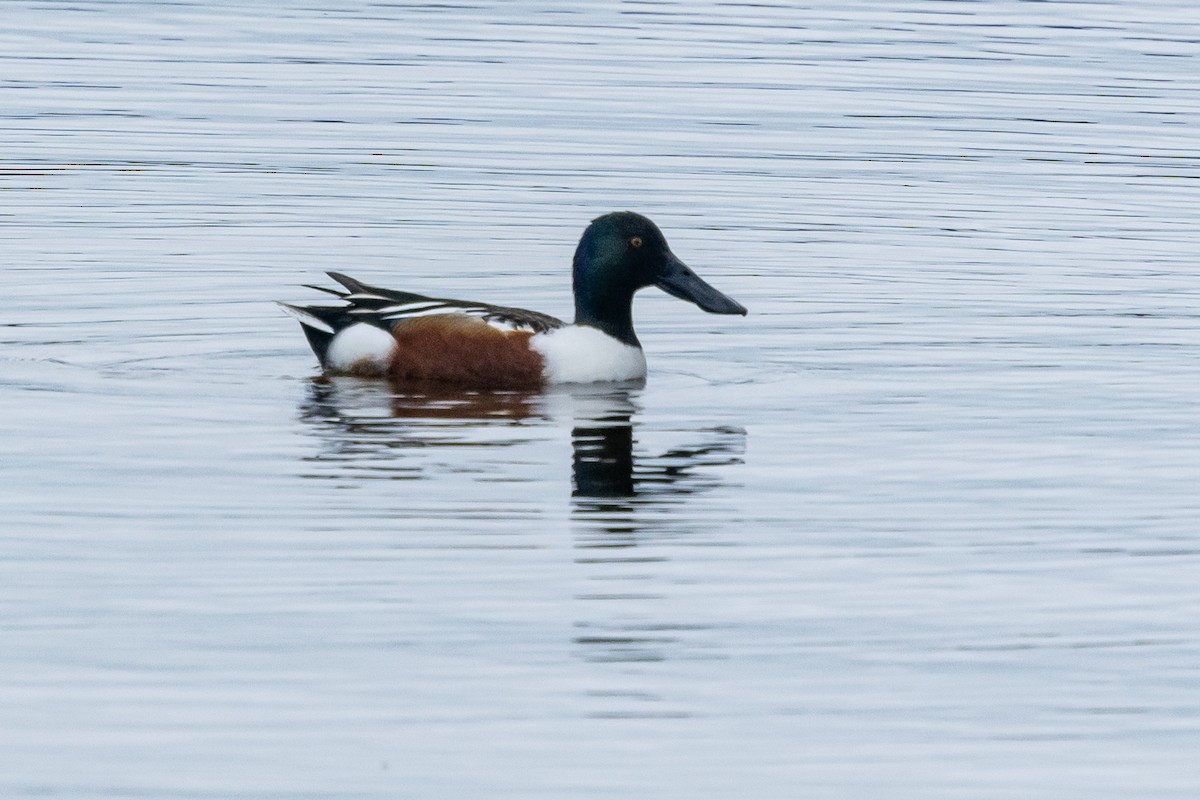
635	241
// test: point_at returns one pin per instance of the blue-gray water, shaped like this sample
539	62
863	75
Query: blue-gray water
926	524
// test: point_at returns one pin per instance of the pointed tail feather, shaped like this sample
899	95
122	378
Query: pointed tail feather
317	324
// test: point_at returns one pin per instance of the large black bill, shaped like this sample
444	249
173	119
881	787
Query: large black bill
677	278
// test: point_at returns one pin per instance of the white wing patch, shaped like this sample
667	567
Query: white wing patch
425	308
429	312
411	308
428	308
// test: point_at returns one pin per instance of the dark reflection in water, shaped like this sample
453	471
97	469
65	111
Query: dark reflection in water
605	466
627	497
603	459
624	497
611	480
360	418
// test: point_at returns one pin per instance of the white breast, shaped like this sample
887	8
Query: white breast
582	354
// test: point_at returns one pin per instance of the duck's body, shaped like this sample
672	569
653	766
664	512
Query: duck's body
409	337
412	338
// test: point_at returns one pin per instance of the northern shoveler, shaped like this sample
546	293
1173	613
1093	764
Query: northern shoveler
410	337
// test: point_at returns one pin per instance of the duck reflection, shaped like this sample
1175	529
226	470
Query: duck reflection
360	418
605	467
635	495
350	399
370	430
613	479
630	509
602	447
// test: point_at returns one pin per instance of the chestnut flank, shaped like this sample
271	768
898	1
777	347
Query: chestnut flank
457	349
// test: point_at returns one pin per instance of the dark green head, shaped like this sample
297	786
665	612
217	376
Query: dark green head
621	253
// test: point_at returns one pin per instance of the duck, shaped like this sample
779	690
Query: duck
414	338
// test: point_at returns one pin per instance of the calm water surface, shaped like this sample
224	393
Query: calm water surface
926	524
